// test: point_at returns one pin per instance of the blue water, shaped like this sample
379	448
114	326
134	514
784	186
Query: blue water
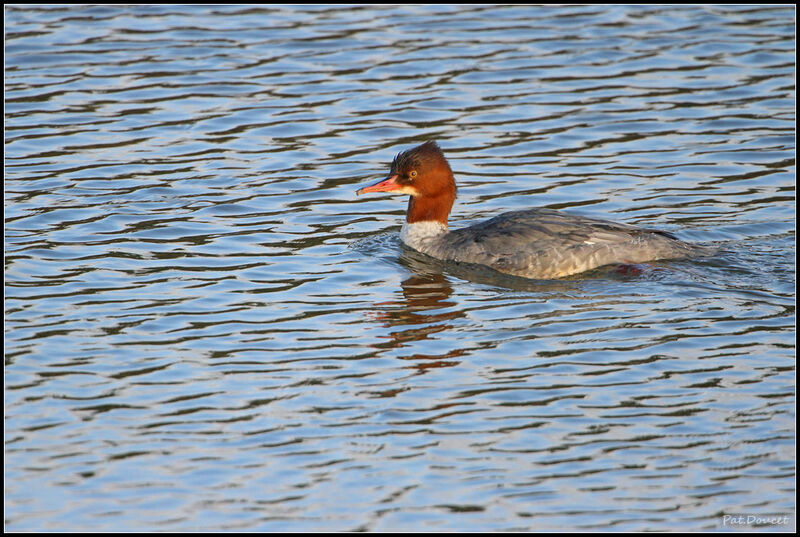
205	329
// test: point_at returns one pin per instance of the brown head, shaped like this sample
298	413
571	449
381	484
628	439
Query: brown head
424	174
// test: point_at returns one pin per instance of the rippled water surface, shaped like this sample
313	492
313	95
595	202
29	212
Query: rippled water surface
205	329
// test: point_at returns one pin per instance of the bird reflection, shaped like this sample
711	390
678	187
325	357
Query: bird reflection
424	310
427	307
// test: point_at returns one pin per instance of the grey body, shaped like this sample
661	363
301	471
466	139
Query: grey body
545	243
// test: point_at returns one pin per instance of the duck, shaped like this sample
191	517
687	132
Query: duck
537	243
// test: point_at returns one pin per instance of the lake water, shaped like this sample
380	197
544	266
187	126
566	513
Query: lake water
205	328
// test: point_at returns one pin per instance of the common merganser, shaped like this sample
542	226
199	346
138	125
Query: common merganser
534	243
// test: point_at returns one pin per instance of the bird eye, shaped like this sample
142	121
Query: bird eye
412	174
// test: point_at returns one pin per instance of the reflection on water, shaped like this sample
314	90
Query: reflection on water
206	330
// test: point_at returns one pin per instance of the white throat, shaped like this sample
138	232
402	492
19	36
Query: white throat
422	235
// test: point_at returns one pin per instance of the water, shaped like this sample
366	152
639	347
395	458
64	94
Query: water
205	329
